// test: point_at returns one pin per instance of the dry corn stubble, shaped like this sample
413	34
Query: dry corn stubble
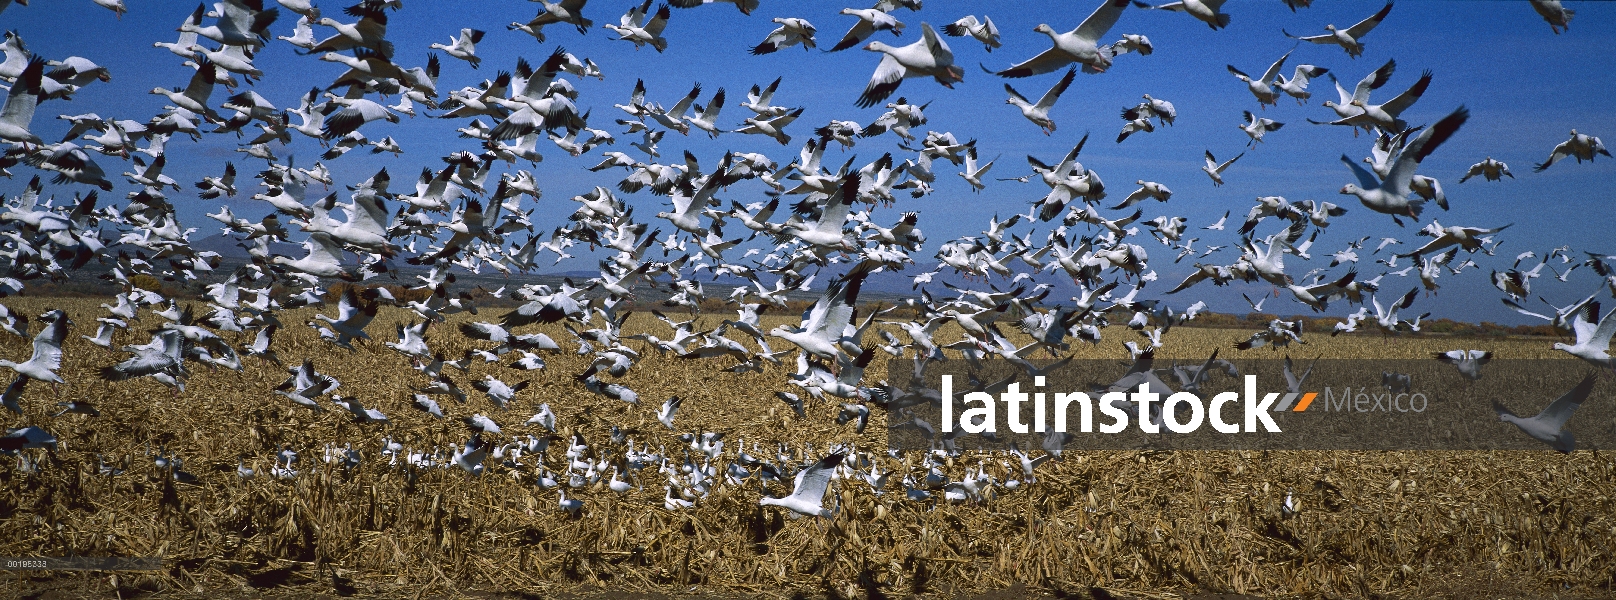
1136	522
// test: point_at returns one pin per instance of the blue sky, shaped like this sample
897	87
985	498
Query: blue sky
1525	87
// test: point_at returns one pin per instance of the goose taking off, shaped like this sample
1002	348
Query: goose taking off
808	491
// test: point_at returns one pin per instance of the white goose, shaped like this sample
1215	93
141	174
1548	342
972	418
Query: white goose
1348	39
1548	426
1214	169
1255	127
870	21
984	31
1592	337
1039	113
634	27
47	356
463	47
927	57
1080	45
808	491
1393	196
1262	87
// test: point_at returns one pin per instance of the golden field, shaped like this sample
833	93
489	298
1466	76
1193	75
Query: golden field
1146	523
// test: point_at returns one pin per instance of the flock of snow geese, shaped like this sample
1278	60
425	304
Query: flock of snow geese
459	217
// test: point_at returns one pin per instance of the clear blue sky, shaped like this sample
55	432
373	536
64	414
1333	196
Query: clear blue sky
1525	87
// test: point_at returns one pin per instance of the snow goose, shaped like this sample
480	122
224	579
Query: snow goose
239	24
1080	45
1255	127
1205	11
1214	169
1262	87
1468	362
746	6
214	187
1384	116
791	32
47	356
1581	146
1558	16
463	47
1349	39
1592	336
824	323
1133	42
984	31
71	164
346	115
761	100
1348	106
1393	195
1296	86
972	173
18	111
1147	190
565	11
498	391
927	57
634	27
808	491
369	31
1491	170
1039	113
774	127
1548	426
870	21
707	118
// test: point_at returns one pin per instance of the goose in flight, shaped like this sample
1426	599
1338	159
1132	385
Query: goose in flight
1255	127
1349	105
1548	426
1592	337
1039	113
1384	116
1214	169
791	32
1205	11
824	323
746	6
870	21
1349	39
634	27
1581	146
984	31
565	11
1393	196
1492	170
1468	362
47	356
1080	45
927	57
463	47
1558	16
808	491
1262	87
1296	86
18	112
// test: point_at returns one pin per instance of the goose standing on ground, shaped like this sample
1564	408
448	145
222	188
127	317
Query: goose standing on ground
1205	11
1349	39
1080	45
927	57
1039	113
1393	195
1214	169
1548	426
1492	170
1581	146
984	31
792	31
